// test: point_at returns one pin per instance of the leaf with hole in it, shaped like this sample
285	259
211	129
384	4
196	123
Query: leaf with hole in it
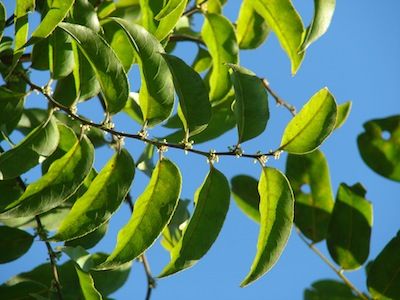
194	106
350	227
276	220
108	69
219	36
286	23
312	208
251	103
245	194
153	210
34	148
383	276
323	13
13	243
105	194
312	125
251	29
343	111
168	17
379	146
212	204
61	56
156	94
329	290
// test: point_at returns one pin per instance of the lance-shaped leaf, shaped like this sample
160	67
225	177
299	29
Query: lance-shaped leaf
13	243
251	28
62	180
194	106
84	13
149	9
40	55
284	20
219	36
11	107
312	125
2	19
202	62
343	111
383	276
168	17
58	9
34	148
276	220
350	227
90	240
105	63
329	290
251	104
105	194
212	203
156	93
245	194
323	13
312	209
61	56
379	146
152	212
145	163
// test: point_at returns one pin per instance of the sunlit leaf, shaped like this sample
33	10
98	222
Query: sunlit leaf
90	240
329	290
168	17
245	194
149	9
13	243
202	62
343	111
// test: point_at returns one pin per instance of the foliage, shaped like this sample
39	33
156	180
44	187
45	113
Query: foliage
88	48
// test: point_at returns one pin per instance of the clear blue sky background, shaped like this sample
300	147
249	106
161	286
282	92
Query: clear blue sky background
358	60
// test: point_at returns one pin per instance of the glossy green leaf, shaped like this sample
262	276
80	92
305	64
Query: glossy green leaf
35	147
152	212
251	29
219	36
251	103
101	200
379	146
3	15
149	9
11	106
202	62
61	62
329	290
57	11
276	220
343	111
194	106
40	55
67	90
145	163
13	243
90	240
313	208
383	276
87	285
109	70
168	17
84	13
312	125
132	108
350	227
62	180
245	194
323	13
286	23
212	204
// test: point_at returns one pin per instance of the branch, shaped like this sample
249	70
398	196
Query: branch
278	99
331	265
194	9
185	38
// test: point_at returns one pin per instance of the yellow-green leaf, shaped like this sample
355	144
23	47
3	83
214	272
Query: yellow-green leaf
168	17
343	111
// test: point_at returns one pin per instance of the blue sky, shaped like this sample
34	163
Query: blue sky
357	60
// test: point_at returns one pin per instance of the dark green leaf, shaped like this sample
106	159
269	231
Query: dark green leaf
379	146
312	125
10	191
343	111
212	203
11	106
67	89
329	290
350	227
83	13
3	15
245	194
40	55
18	291
312	209
145	163
13	243
276	220
168	17
61	62
132	108
152	212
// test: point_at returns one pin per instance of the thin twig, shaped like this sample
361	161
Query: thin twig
185	38
278	99
194	9
331	265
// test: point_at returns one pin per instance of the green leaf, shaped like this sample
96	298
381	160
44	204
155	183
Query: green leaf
13	243
3	15
212	204
152	212
379	151
109	70
251	104
156	94
101	200
62	180
312	125
58	9
251	28
19	290
343	111
245	194
145	163
11	107
219	36
329	290
194	106
202	62
83	13
90	240
61	62
323	13
149	9
10	191
87	285
40	55
168	17
276	220
350	227
132	108
35	147
312	209
286	23
383	276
